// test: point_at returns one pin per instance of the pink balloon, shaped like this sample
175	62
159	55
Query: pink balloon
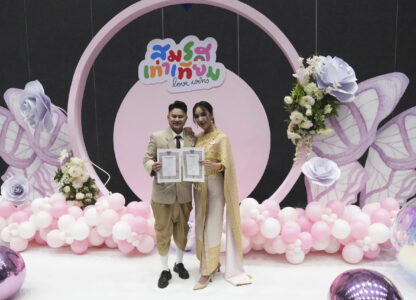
95	238
359	229
139	225
272	207
20	216
304	223
314	211
143	209
307	240
336	206
133	208
79	247
109	242
352	253
386	245
38	239
116	201
6	208
381	215
75	211
58	209
371	254
390	204
249	226
370	207
300	211
290	232
146	244
320	231
127	218
125	247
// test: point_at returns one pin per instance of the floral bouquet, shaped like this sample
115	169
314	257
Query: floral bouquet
323	84
76	184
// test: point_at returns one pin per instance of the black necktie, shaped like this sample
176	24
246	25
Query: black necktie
178	142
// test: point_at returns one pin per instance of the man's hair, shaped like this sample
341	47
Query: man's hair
178	104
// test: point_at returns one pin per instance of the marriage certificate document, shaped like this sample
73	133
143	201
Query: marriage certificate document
171	165
193	170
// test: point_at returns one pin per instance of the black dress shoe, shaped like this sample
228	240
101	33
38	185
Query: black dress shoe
180	269
164	278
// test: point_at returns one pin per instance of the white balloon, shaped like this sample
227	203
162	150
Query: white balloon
18	244
350	212
3	223
54	239
333	246
245	241
249	207
5	235
42	219
27	230
80	231
341	229
279	245
268	247
379	233
288	214
295	257
104	231
92	217
320	245
65	222
363	217
36	205
270	228
121	230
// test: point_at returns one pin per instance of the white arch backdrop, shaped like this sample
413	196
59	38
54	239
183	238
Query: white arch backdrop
128	15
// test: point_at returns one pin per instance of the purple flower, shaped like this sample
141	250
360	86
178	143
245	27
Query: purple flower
35	106
321	171
336	74
16	189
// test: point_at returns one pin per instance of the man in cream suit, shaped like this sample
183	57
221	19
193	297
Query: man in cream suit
171	202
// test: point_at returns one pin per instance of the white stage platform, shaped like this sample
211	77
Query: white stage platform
108	274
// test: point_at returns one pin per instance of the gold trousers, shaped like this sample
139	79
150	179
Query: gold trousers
171	219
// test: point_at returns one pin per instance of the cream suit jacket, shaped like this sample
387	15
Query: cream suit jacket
167	193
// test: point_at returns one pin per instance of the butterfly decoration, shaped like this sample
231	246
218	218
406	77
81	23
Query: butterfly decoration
29	147
389	170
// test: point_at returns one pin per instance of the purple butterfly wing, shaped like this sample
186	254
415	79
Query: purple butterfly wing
391	160
355	128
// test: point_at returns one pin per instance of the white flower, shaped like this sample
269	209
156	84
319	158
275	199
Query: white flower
77	184
307	101
288	100
327	109
308	112
84	176
321	171
310	88
67	189
324	131
75	171
306	124
293	136
296	117
63	155
80	196
319	94
88	195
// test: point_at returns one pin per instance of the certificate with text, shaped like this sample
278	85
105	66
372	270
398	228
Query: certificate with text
171	165
193	170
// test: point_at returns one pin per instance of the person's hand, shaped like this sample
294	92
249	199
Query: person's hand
210	165
156	167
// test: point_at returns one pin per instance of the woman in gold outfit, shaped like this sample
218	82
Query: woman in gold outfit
218	190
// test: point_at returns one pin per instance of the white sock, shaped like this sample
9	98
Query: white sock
179	255
164	261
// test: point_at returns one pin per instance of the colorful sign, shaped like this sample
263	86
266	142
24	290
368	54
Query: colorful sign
187	66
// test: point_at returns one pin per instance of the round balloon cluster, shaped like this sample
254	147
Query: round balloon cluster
333	227
56	222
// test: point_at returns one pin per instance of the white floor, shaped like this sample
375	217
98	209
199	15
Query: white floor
108	274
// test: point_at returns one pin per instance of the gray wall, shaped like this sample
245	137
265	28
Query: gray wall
44	39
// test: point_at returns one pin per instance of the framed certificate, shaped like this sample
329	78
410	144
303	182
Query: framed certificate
193	170
171	165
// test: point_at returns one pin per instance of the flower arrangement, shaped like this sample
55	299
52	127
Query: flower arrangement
323	84
76	184
16	189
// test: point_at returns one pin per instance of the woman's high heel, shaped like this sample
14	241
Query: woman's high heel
199	286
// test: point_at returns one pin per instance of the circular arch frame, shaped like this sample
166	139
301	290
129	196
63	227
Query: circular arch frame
128	15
